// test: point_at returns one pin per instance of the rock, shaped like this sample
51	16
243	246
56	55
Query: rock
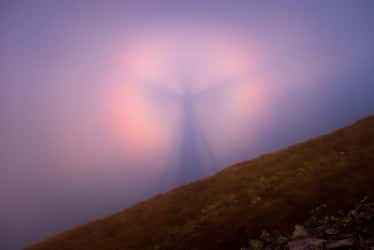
312	222
299	232
306	244
362	217
281	240
256	245
351	230
340	212
265	236
364	200
318	210
340	243
331	231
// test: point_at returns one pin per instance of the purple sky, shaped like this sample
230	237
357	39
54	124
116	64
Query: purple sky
105	103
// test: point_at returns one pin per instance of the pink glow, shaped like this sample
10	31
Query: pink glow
146	127
143	129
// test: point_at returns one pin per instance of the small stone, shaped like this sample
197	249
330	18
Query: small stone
319	209
340	243
340	212
265	236
364	200
282	240
306	244
346	235
311	222
362	217
299	232
331	231
256	245
347	221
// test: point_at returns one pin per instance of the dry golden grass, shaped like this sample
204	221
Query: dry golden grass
220	212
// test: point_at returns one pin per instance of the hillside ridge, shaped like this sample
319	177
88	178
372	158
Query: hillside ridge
275	190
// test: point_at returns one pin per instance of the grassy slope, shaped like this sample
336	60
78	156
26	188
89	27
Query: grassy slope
273	191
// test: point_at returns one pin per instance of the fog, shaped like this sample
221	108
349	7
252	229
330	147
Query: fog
105	104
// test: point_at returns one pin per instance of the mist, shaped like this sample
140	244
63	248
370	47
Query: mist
105	104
